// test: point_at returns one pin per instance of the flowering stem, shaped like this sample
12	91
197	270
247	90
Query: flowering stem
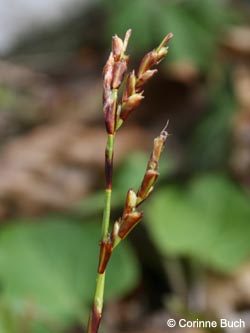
96	313
109	152
116	111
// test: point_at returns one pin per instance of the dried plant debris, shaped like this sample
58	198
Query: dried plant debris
55	166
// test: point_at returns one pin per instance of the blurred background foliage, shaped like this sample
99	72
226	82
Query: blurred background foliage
196	24
191	253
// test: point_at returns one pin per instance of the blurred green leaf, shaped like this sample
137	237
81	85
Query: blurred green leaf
131	172
193	41
208	221
210	141
196	25
129	175
94	203
51	266
8	321
136	15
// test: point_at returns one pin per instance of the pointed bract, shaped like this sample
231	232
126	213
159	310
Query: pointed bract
131	103
109	110
126	39
152	173
105	253
108	72
129	222
148	182
154	57
117	47
130	86
142	80
130	202
119	71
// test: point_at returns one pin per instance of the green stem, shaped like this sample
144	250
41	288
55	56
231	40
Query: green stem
109	169
99	292
96	313
106	214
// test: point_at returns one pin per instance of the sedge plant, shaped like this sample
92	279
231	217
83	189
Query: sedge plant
117	107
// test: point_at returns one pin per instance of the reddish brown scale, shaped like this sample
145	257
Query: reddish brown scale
153	164
126	39
166	40
151	173
153	57
129	222
109	104
119	70
109	112
94	321
142	80
117	47
131	103
148	182
108	73
130	86
105	253
147	62
159	144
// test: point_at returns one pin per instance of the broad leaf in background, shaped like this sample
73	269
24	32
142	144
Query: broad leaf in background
131	172
208	221
129	175
212	134
49	267
8	320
